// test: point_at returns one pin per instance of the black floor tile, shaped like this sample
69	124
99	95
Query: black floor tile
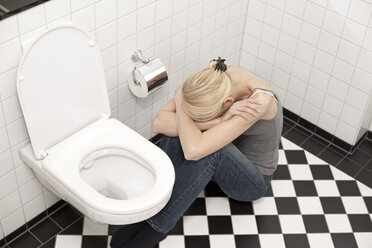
212	189
344	240
305	188
315	224
360	157
25	240
282	172
239	207
16	233
197	207
331	156
321	172
313	145
178	228
286	128
268	224
295	157
348	188
297	135
36	219
307	125
197	242
2	242
269	191
76	228
220	225
56	206
332	205
66	216
287	205
368	201
245	241
368	165
50	244
365	176
290	115
45	230
366	146
360	222
349	167
296	241
94	242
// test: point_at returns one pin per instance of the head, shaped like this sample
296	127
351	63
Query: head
207	93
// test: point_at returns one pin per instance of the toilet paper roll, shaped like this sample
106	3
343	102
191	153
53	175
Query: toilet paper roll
147	78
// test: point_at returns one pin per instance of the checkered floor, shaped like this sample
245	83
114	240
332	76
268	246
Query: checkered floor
309	204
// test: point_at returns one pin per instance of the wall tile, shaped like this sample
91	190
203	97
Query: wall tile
328	42
319	79
111	77
105	11
346	132
256	9
332	106
12	109
310	112
163	9
50	198
270	35
178	42
143	118
110	57
8	183
181	5
284	61
327	122
31	19
8	29
17	131
6	163
106	35
291	25
364	61
354	32
24	174
13	221
309	33
274	17
342	70
4	143
149	13
208	27
314	14
280	78
315	96
293	102
339	6
333	23
56	9
30	190
127	110
9	204
362	80
360	11
163	30
323	61
305	52
348	52
295	7
8	86
356	98
15	152
351	116
34	207
125	7
301	70
337	89
287	43
84	18
2	120
79	4
322	3
10	54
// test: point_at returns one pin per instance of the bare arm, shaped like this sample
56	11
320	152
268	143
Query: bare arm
197	144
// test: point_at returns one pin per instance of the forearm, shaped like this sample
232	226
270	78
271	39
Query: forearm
165	123
208	124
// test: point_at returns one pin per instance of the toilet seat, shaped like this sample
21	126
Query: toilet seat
64	160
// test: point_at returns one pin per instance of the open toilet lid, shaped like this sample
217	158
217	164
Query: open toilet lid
61	86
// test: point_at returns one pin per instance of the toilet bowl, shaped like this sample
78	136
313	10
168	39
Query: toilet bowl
103	168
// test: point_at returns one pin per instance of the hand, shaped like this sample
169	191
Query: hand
247	109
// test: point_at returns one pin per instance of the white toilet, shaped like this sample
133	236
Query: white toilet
99	165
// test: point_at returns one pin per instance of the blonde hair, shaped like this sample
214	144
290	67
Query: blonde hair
205	91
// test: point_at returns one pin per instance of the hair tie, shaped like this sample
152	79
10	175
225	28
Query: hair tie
220	64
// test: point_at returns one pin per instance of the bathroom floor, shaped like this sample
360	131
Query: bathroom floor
309	204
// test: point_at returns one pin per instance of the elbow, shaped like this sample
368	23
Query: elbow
191	154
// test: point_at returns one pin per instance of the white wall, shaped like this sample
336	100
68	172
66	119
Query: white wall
317	54
185	34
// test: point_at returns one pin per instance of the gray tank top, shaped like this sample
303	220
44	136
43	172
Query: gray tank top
260	143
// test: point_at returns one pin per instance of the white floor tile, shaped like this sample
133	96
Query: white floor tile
283	188
292	224
354	205
217	206
70	241
364	190
289	145
300	172
364	240
272	240
326	188
221	241
282	158
173	241
195	225
338	223
264	206
323	240
340	175
94	228
310	205
312	159
244	224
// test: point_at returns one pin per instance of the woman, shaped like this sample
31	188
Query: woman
223	124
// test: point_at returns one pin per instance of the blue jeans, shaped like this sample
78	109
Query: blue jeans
228	167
